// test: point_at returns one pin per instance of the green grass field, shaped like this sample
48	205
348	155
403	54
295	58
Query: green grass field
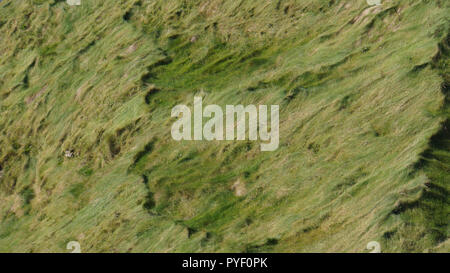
364	131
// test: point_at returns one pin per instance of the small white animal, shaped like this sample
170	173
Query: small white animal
74	2
69	154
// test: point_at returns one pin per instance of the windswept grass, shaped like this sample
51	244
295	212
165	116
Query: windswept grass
363	156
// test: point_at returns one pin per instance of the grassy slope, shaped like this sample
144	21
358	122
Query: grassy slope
360	92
